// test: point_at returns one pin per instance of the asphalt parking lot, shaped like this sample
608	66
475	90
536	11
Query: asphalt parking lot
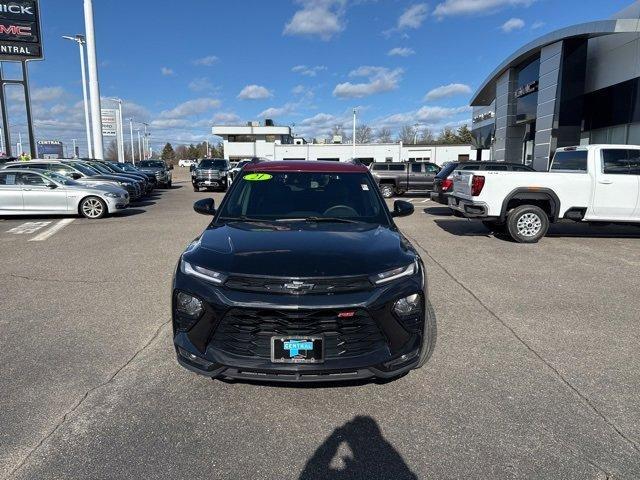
535	372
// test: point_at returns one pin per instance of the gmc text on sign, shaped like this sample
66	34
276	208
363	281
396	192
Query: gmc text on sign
20	37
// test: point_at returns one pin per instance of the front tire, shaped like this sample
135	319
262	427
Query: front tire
93	208
196	189
387	190
431	331
527	224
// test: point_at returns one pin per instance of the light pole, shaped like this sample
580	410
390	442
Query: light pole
354	135
74	147
139	146
133	155
80	40
119	130
145	141
94	84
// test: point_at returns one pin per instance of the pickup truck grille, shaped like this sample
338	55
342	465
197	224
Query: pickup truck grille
208	174
248	332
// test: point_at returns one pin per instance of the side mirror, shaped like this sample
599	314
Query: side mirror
76	175
52	186
402	209
170	166
207	206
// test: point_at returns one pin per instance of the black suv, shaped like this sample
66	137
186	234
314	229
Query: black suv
302	276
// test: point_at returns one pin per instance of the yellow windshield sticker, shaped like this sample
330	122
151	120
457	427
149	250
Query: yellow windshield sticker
258	177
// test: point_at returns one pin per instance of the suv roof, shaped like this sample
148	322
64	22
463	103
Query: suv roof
305	166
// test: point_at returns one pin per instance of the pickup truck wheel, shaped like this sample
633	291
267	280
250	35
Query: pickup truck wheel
196	189
495	227
387	190
527	224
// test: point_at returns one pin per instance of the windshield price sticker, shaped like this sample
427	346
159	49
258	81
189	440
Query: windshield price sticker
258	177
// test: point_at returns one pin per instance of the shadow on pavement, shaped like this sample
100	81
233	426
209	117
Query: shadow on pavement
143	203
129	212
439	211
472	228
356	450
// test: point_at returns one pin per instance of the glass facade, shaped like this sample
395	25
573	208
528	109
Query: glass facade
527	104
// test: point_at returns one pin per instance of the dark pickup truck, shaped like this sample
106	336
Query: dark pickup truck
211	173
397	178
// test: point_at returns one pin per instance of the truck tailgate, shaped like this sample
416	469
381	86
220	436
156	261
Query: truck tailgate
462	184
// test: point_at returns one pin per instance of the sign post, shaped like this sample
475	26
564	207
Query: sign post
20	41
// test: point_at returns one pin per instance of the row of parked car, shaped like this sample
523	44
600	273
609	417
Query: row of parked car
88	187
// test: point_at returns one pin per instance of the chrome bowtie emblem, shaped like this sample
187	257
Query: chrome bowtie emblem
298	286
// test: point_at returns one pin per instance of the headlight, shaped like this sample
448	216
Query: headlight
124	184
112	195
407	306
394	274
201	272
189	305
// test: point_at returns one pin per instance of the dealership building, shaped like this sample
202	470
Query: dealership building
574	86
276	142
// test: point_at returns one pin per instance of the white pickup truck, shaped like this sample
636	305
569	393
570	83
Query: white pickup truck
591	183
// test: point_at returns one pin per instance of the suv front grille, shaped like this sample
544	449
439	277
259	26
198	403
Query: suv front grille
248	332
207	174
298	286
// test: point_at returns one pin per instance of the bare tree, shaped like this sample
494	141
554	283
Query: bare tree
426	136
384	135
407	134
112	151
364	134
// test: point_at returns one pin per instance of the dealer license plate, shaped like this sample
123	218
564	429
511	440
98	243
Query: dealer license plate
297	349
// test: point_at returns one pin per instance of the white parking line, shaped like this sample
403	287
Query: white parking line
56	228
28	227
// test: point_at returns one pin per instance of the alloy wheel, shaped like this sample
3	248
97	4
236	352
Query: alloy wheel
92	208
529	225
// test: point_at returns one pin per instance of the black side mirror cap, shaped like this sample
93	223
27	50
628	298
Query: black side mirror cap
206	206
52	186
402	208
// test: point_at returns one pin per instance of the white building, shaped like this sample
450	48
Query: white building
277	143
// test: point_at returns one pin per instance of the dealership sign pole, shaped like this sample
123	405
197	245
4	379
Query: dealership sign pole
20	41
94	86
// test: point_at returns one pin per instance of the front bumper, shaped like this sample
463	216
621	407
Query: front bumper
468	208
201	347
210	182
114	204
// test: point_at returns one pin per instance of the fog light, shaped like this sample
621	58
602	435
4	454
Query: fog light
188	305
408	305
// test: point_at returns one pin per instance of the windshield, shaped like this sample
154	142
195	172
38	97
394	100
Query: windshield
101	168
83	168
213	164
151	163
570	161
60	178
311	196
129	168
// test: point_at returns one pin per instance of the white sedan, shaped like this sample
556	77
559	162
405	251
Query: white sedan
40	192
186	163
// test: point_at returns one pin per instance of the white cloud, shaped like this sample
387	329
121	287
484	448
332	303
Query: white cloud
317	18
433	117
512	24
274	112
225	117
191	107
46	94
254	92
298	89
206	61
167	72
448	91
401	52
201	85
537	25
465	7
308	71
379	79
413	17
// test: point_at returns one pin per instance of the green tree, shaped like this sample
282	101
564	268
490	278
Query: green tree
447	137
168	153
464	134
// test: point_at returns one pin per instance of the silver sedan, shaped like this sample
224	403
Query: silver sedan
40	192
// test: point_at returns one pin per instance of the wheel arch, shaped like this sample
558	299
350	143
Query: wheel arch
537	196
106	204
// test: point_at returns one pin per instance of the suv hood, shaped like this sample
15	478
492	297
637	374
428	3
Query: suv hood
151	169
300	249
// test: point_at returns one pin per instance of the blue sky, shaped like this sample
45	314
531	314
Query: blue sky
183	66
